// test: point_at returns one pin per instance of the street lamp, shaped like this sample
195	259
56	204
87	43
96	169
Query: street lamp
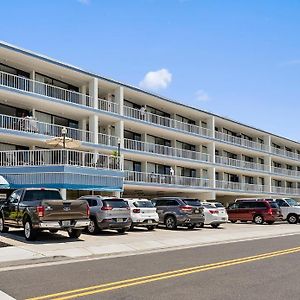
64	133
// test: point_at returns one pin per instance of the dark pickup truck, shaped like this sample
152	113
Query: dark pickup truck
43	209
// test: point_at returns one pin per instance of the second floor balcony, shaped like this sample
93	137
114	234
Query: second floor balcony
285	153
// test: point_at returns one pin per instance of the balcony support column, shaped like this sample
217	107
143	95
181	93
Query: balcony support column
267	143
93	126
268	183
211	126
211	147
83	126
32	77
268	162
212	177
119	98
63	193
93	90
82	90
119	132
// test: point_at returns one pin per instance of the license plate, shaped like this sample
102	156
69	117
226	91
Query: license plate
149	221
223	219
66	223
119	220
196	211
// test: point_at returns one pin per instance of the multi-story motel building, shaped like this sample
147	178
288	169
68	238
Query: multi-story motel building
166	149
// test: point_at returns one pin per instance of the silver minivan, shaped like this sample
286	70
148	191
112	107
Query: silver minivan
108	213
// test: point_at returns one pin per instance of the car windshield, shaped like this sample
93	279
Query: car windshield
115	203
32	195
143	203
274	205
292	202
192	202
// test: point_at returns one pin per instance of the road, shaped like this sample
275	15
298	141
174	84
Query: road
260	269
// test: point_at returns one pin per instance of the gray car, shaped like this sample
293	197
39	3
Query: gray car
177	211
107	213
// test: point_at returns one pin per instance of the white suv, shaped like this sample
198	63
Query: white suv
290	209
215	214
143	213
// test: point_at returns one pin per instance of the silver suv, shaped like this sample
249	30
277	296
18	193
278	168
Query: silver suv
107	213
177	211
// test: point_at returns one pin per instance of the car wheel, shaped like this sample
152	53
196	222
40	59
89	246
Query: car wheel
233	221
258	219
150	228
201	225
170	222
292	218
270	222
53	230
131	226
74	233
122	230
29	233
191	226
3	229
215	225
93	227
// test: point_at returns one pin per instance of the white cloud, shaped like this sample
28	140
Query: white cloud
85	2
201	95
156	80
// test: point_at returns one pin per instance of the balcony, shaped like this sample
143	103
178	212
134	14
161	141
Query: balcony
165	150
282	171
108	140
285	191
31	126
239	141
35	87
61	168
163	179
165	122
241	164
241	187
284	153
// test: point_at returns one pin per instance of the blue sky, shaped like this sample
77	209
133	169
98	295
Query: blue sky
240	59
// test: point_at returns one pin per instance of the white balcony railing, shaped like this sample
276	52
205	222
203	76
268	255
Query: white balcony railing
239	141
285	190
222	160
58	157
288	172
31	125
284	153
166	122
165	150
151	178
238	186
108	140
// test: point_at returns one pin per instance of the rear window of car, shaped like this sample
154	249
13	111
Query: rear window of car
141	203
273	204
92	202
207	205
115	203
32	195
219	205
192	202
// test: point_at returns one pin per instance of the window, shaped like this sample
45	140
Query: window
32	195
131	165
171	203
143	203
281	203
14	71
185	120
115	203
132	135
185	146
158	140
92	202
15	197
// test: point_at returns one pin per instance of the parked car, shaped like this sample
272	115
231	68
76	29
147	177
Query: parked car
258	211
107	213
142	213
290	209
214	213
177	211
43	209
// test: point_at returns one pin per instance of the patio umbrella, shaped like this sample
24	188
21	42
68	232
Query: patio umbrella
64	142
3	183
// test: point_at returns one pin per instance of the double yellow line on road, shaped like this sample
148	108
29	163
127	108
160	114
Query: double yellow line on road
96	289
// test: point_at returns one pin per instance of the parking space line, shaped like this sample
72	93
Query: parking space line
76	293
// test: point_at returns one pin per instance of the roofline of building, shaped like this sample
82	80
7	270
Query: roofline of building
77	69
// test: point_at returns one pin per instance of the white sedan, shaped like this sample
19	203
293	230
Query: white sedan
142	213
214	213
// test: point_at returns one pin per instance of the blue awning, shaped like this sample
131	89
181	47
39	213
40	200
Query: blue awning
3	183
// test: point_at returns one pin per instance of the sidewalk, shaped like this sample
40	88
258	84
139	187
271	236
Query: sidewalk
59	246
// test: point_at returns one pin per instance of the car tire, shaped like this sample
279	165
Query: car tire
29	232
233	221
74	233
3	229
270	222
292	219
131	226
258	219
191	226
93	227
214	225
122	230
201	225
150	228
170	223
53	230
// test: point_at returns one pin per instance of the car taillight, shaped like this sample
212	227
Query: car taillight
186	208
106	208
269	211
40	211
87	211
136	210
213	211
